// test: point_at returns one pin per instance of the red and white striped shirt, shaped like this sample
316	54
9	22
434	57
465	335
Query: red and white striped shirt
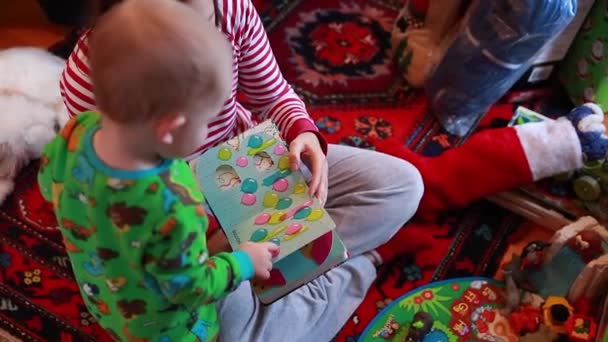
255	74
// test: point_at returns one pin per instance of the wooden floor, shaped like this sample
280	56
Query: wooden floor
22	23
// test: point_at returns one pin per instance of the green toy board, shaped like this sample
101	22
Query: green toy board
462	309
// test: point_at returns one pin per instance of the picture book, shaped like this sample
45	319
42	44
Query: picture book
255	196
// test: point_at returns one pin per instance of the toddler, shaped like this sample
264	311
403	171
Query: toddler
129	208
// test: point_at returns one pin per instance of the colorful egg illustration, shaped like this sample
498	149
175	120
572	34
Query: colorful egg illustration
284	203
315	215
280	150
249	186
270	200
259	235
281	185
299	188
255	141
242	161
276	218
248	199
293	229
302	213
224	153
262	219
283	163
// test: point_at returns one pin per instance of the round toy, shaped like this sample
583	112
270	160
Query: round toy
587	188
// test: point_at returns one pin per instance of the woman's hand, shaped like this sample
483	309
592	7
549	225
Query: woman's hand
306	147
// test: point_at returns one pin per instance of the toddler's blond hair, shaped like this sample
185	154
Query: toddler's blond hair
150	58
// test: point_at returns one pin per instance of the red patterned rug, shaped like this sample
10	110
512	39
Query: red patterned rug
335	53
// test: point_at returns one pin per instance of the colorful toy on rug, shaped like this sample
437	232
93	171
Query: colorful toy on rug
463	309
556	289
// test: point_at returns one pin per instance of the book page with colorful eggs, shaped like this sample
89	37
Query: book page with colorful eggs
254	194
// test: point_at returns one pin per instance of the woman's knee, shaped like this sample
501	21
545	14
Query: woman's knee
406	182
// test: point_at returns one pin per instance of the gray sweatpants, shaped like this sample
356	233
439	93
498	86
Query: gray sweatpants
371	195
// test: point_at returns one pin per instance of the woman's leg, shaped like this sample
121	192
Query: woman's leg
314	312
371	196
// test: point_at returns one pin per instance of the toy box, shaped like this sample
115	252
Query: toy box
584	71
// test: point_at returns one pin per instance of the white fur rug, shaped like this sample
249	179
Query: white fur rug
31	108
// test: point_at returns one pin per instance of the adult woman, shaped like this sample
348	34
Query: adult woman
358	186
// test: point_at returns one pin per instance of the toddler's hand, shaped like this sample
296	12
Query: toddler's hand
261	254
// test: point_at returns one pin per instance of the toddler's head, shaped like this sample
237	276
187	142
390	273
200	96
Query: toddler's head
158	66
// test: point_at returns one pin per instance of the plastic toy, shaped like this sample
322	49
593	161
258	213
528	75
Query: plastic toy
513	293
534	254
544	334
526	319
581	328
556	312
515	271
421	325
389	329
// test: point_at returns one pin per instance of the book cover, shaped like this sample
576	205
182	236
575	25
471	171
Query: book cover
255	195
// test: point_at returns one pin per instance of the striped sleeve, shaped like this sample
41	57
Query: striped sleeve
260	79
75	83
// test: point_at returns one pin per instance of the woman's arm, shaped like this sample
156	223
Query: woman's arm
260	78
75	84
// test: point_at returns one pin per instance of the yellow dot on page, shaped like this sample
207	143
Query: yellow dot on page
224	153
284	163
315	215
299	188
270	200
276	218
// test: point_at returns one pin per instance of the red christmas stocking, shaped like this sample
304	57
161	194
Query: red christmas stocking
492	161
